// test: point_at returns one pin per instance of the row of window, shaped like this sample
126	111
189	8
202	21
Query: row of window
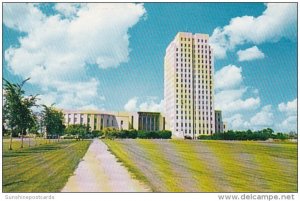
183	112
189	118
188	70
184	80
199	131
199	51
189	125
188	39
189	86
184	107
189	102
204	113
183	75
201	86
185	91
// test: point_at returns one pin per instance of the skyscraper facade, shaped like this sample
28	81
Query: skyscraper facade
189	85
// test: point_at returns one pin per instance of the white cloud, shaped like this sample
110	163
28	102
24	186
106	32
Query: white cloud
228	77
69	10
288	124
235	122
70	95
230	92
149	105
290	107
250	54
264	117
277	21
131	105
22	17
57	49
152	106
230	105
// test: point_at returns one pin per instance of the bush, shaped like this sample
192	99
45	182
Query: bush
68	136
204	137
142	135
245	135
132	134
165	134
112	133
96	133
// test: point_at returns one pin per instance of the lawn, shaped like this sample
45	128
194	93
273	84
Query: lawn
42	168
27	142
210	166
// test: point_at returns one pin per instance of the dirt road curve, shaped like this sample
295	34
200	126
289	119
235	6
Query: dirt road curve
100	172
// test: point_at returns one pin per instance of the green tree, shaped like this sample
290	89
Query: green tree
53	121
80	130
17	109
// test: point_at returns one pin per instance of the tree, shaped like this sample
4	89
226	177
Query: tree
52	120
79	130
17	108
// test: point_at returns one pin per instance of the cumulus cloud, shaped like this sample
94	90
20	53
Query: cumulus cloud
130	106
250	54
57	49
230	92
290	107
152	106
264	117
236	121
288	124
69	10
22	17
228	77
279	20
149	105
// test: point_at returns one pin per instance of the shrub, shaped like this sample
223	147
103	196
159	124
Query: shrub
165	134
132	134
245	135
68	136
112	133
142	134
96	133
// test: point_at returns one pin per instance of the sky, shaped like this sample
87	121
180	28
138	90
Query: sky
110	56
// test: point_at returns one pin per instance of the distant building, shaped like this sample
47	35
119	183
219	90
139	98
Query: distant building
220	127
98	120
225	126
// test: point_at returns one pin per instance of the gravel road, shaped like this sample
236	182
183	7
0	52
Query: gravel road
100	172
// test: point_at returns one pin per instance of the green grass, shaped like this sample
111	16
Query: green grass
214	166
44	168
16	143
161	165
198	167
122	156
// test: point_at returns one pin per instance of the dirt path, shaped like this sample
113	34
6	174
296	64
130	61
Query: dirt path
100	172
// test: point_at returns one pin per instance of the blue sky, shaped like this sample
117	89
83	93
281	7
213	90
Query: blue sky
110	56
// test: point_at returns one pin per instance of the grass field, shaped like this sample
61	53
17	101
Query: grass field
42	168
28	142
210	166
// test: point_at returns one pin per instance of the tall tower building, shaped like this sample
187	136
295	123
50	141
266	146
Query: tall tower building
189	85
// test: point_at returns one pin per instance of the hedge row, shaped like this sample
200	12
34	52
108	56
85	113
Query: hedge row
132	134
245	135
